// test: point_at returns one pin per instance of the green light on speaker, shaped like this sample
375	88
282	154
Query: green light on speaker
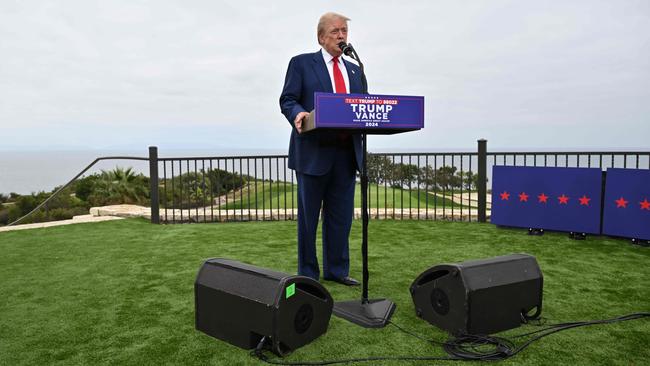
290	291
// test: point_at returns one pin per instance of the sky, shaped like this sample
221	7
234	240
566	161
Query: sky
208	74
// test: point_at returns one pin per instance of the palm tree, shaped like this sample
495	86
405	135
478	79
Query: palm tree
120	186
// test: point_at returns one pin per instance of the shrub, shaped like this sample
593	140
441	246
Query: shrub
65	213
83	188
190	189
4	216
119	186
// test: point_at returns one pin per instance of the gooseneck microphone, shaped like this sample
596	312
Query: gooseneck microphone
346	48
349	51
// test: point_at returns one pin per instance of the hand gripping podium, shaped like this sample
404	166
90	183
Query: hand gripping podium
368	115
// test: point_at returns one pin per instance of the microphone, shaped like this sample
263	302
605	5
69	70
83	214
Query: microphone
346	48
349	51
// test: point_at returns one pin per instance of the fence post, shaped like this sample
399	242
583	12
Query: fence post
153	184
482	180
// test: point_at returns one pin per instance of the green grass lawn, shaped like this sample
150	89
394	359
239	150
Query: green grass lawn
121	292
274	194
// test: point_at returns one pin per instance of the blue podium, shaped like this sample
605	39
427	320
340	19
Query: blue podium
366	114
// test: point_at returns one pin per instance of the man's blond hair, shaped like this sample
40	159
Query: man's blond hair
326	18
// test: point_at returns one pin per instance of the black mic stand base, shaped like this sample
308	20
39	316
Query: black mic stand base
374	313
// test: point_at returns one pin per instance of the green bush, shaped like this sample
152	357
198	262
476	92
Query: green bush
4	216
28	203
15	213
64	205
66	213
83	187
119	186
192	189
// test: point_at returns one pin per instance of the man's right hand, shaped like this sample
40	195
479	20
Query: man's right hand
297	122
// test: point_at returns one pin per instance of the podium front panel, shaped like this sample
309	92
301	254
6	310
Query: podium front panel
363	113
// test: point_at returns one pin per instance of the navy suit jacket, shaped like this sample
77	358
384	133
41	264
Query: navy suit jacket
309	152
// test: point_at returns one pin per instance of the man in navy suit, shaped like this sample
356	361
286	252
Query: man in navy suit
325	162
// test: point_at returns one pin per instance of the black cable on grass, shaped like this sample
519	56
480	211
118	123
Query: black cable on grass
462	348
261	356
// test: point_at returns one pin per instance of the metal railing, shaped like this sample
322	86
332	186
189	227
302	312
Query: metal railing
402	186
227	188
44	204
244	188
584	159
421	186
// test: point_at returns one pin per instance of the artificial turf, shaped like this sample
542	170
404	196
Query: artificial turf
280	195
121	292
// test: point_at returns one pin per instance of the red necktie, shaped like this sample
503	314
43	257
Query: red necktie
339	82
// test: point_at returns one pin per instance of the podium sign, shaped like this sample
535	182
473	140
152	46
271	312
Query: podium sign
366	113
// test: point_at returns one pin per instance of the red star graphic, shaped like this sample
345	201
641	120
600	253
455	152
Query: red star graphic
621	202
645	205
542	198
523	197
563	199
505	196
584	200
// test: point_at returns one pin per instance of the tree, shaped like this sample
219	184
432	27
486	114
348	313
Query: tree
120	186
380	168
446	178
405	175
427	177
221	181
195	189
468	180
443	178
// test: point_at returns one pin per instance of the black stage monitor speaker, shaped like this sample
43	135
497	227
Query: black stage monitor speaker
479	297
240	303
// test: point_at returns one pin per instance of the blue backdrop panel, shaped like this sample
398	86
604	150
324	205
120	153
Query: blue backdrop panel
562	199
627	203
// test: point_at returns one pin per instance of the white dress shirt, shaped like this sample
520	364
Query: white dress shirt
330	68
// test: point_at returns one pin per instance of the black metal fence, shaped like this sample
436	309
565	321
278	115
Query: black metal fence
207	189
422	186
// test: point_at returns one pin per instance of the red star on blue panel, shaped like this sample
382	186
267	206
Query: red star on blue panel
584	200
523	197
542	198
505	196
563	199
645	205
621	202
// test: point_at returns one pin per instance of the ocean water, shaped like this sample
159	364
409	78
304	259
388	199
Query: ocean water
24	172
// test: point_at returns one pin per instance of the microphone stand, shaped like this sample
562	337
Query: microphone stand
367	313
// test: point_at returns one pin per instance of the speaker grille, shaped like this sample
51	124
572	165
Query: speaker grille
439	301
304	318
